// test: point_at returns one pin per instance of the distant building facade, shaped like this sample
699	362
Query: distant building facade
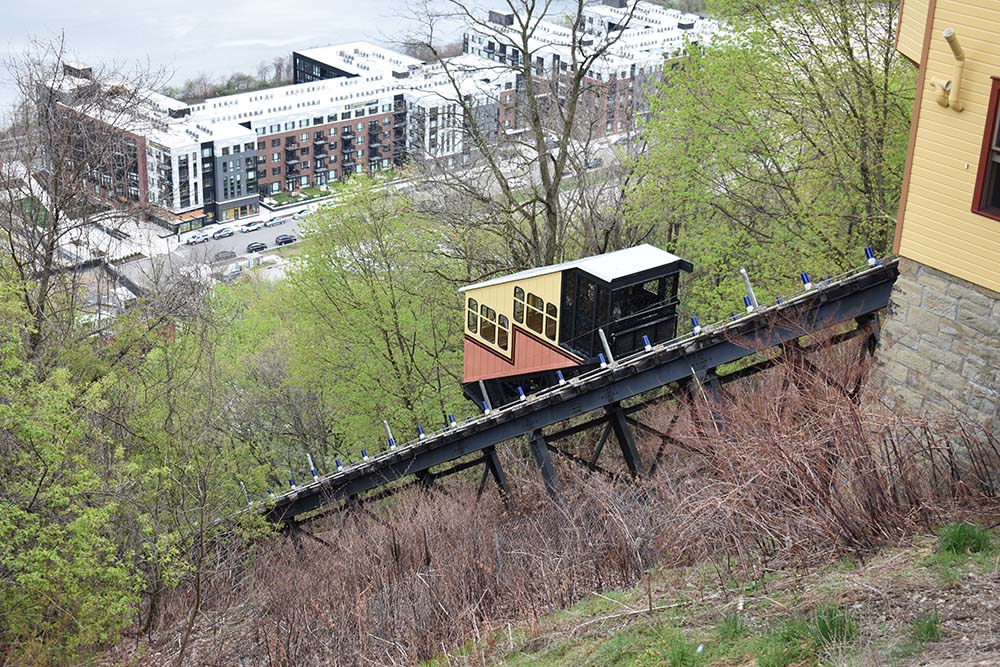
943	339
359	108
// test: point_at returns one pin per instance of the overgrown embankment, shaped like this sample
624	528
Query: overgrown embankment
930	600
787	472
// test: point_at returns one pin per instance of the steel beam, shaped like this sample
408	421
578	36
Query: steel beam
623	434
540	450
495	469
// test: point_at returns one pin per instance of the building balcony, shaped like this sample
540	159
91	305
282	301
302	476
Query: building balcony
319	140
292	160
321	167
291	145
291	169
347	134
320	154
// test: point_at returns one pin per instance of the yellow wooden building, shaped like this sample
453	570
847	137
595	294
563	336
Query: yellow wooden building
943	349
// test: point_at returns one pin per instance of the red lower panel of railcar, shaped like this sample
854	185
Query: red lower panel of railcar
530	355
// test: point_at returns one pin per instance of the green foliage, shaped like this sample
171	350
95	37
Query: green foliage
831	626
378	324
731	627
786	645
964	538
927	628
67	583
775	150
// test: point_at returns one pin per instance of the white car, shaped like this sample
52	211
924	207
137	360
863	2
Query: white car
301	214
251	227
197	237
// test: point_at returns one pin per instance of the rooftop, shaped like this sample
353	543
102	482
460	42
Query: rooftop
362	58
608	267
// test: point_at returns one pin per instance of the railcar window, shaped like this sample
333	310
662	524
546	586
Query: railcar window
503	329
550	321
536	318
519	305
487	323
473	315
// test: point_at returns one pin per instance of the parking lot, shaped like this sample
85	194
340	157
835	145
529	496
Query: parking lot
237	243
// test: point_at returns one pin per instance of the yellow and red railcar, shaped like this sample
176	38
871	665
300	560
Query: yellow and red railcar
522	328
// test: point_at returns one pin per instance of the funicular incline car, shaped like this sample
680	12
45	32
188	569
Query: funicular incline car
522	328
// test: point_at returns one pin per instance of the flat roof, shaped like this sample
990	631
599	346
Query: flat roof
361	57
608	267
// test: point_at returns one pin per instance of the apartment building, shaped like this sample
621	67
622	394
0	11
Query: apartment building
186	171
359	108
638	40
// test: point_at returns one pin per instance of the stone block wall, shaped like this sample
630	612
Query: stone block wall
940	350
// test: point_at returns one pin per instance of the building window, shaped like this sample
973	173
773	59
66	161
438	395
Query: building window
550	321
986	200
535	316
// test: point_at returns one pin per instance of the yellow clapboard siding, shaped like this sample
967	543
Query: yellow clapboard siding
912	19
938	226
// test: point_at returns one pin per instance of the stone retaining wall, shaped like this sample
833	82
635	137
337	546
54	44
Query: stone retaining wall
940	349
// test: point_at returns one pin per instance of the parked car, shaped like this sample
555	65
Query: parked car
274	222
256	246
301	214
233	272
222	233
251	227
593	163
197	237
224	255
285	239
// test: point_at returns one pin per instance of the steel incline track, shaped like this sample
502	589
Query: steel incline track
833	301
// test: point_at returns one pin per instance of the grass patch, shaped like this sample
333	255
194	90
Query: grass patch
964	538
927	628
831	626
784	646
672	649
923	630
282	198
731	628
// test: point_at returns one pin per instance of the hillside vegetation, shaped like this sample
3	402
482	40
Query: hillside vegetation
128	447
923	601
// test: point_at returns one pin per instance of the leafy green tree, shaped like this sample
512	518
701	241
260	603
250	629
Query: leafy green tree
377	321
66	583
780	147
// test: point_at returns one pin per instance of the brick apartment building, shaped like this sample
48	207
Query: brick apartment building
359	108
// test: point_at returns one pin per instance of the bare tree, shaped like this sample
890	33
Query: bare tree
70	160
527	146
